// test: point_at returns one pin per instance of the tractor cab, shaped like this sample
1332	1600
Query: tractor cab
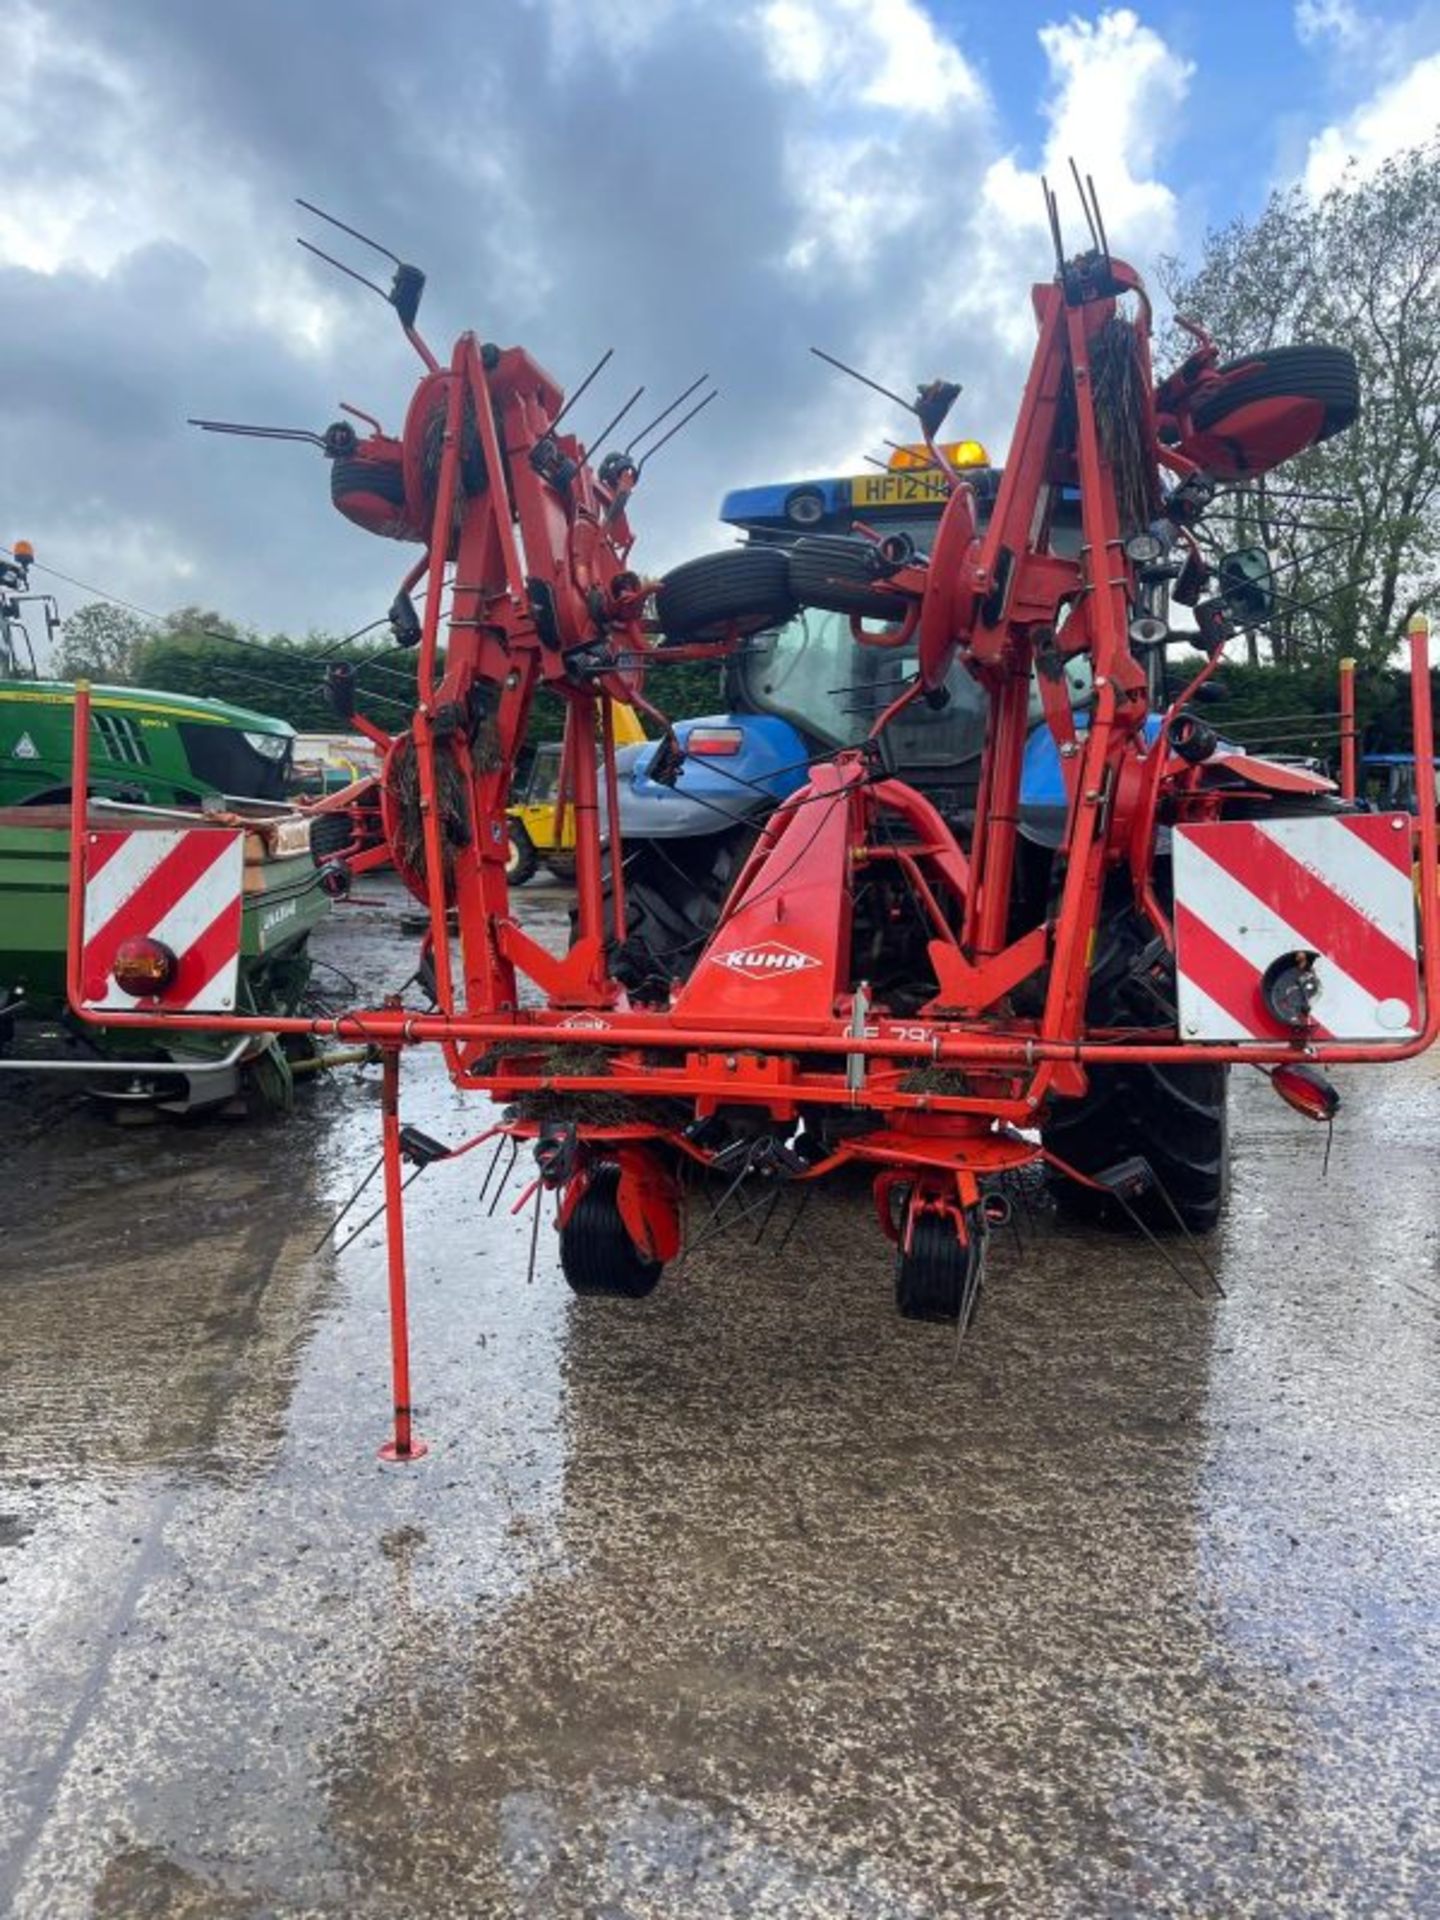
810	671
148	748
803	686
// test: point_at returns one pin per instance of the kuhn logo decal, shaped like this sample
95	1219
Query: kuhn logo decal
766	960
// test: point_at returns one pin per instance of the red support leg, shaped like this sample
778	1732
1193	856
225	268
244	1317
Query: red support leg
405	1445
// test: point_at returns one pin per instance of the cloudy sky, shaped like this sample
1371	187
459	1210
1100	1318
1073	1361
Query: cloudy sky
705	185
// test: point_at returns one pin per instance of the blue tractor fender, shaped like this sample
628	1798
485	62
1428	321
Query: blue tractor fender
713	792
1042	783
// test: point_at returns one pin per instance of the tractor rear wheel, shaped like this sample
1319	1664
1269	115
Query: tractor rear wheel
939	1278
674	890
1173	1117
597	1255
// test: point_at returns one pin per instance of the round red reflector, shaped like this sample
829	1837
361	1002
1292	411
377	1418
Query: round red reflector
1306	1090
143	966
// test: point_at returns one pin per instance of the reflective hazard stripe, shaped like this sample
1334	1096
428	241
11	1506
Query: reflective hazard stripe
1247	893
182	887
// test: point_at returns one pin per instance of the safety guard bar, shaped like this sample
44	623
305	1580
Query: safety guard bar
394	1026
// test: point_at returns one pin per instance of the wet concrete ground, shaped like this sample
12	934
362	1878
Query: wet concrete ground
743	1600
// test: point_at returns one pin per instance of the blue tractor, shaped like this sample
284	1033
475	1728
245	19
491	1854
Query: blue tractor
1387	782
801	687
815	555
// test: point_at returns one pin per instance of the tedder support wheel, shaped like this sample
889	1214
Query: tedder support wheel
378	479
1271	405
520	859
743	590
597	1255
940	1275
841	574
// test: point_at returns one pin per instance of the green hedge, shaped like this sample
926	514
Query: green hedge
285	678
1289	710
1295	710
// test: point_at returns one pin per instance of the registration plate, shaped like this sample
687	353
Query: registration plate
922	489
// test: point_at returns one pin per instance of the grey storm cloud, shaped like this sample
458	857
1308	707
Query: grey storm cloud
642	177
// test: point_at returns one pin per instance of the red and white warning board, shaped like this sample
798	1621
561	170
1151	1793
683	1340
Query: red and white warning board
183	887
1252	894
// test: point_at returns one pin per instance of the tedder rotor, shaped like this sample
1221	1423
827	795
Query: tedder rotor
1254	917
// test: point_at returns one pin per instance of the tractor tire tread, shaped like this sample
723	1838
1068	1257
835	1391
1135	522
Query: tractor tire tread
836	572
745	588
1174	1117
1324	374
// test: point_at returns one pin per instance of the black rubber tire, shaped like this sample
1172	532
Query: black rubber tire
597	1255
472	475
674	890
842	575
521	858
805	507
1327	375
1174	1117
330	833
385	479
745	589
931	1280
561	867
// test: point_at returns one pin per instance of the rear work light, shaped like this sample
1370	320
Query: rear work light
143	966
714	741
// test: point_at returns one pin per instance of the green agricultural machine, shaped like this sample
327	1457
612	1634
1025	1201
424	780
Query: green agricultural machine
155	758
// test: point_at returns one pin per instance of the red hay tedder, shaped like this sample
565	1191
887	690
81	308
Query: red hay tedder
1251	915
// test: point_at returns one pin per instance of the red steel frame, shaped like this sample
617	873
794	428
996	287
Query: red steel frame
536	565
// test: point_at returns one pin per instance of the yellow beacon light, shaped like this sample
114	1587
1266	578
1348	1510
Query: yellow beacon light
960	453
